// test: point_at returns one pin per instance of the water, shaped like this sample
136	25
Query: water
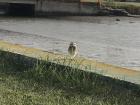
100	38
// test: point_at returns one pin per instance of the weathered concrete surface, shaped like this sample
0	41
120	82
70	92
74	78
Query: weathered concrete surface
56	6
19	1
66	7
85	64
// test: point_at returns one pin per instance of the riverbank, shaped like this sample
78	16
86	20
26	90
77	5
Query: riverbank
24	80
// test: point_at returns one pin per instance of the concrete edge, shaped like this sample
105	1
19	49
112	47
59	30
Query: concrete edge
84	64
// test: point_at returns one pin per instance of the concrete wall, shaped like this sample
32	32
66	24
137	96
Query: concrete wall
69	7
56	6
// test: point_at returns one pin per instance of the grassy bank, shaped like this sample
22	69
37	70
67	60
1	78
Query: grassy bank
27	81
131	7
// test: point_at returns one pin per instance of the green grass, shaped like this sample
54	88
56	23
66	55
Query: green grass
132	7
27	81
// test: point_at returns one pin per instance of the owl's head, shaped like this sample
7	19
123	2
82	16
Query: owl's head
73	44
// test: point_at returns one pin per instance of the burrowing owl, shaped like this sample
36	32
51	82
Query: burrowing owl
72	50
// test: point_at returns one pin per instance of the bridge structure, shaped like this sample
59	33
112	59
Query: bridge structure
19	1
30	7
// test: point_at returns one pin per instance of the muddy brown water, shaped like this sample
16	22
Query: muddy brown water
100	38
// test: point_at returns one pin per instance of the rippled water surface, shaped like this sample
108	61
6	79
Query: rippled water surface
101	38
